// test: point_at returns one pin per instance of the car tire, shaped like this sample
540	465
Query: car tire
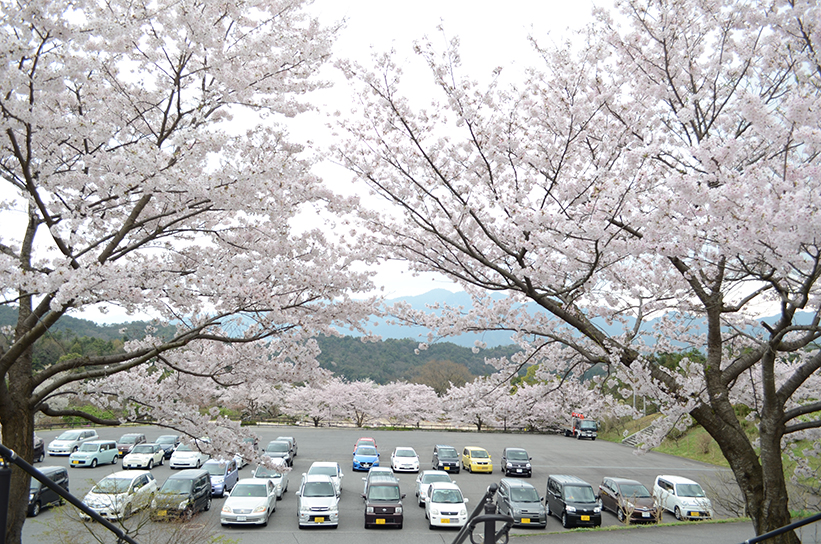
620	515
207	506
565	523
265	523
162	460
430	526
41	457
35	510
114	461
75	449
150	464
94	463
546	508
677	512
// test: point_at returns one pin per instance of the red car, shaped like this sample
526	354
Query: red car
364	441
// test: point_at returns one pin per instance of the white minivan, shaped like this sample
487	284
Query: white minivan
93	453
684	498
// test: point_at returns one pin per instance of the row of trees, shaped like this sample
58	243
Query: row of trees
664	165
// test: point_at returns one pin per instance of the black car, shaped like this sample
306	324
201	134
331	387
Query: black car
168	442
445	458
182	495
516	462
42	496
39	449
573	501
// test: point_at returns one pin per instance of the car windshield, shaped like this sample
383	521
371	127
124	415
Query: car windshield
215	469
478	454
176	486
366	450
433	477
383	493
689	490
579	493
327	471
128	439
35	485
143	448
277	447
524	494
517	455
586	425
318	489
69	435
265	472
167	439
249	490
446	496
109	486
448	453
184	447
405	453
634	490
89	447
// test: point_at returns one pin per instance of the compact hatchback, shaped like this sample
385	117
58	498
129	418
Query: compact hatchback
521	501
629	500
516	462
144	456
684	498
365	457
445	458
476	460
127	442
224	475
425	479
93	453
404	460
446	506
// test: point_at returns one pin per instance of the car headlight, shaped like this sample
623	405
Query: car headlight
596	510
527	465
227	509
434	511
398	510
260	508
510	465
570	508
369	510
153	503
218	479
183	505
31	496
304	510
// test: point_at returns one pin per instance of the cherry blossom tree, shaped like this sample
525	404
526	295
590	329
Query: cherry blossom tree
665	167
125	185
474	402
408	403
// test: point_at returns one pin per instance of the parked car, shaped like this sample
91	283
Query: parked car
573	501
445	458
39	450
253	443
251	502
279	477
404	460
364	441
93	453
186	456
40	495
684	498
446	506
317	502
423	481
120	494
224	475
521	501
629	500
329	468
169	443
292	441
516	462
70	441
280	449
476	460
376	472
365	457
127	442
182	495
144	456
383	503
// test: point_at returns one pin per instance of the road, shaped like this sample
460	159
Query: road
554	454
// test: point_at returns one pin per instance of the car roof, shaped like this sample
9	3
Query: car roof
101	441
132	434
474	448
516	449
434	472
568	479
397	448
51	469
624	480
517	483
445	485
382	479
317	478
188	473
324	464
676	479
260	481
127	474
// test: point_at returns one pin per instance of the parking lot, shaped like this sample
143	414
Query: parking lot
551	454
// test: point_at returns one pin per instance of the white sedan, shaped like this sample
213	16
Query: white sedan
144	456
404	460
120	494
251	502
187	457
278	475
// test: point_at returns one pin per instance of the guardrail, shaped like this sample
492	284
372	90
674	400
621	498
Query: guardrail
785	529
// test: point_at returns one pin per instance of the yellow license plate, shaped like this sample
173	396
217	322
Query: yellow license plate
525	520
447	468
445	520
75	462
695	514
380	521
162	512
319	520
585	518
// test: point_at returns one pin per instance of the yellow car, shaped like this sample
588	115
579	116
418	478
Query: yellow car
476	460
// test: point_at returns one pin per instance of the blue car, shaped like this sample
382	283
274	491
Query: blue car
365	457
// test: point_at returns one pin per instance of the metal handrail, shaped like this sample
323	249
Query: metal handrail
489	518
11	457
782	530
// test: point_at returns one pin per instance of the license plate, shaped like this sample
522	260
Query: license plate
75	462
645	514
240	518
445	520
319	519
585	518
525	520
695	514
380	521
447	468
162	512
518	470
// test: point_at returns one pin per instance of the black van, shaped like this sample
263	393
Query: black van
573	501
383	502
40	495
182	495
